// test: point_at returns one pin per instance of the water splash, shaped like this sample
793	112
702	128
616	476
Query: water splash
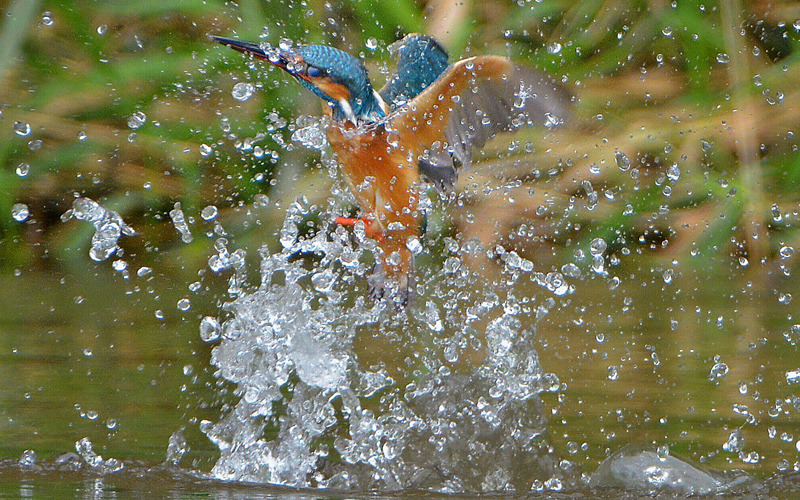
108	225
317	409
179	221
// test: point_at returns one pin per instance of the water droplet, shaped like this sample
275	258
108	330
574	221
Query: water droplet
144	271
184	304
209	329
28	458
243	91
20	212
786	252
622	161
47	18
667	31
285	43
137	120
372	43
311	137
571	270
414	245
554	48
723	58
21	128
735	442
717	371
597	247
613	373
81	135
261	200
205	150
101	30
179	221
674	172
23	169
209	213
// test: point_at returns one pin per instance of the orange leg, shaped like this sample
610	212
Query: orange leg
349	221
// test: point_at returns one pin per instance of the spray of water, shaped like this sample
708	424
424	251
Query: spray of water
337	392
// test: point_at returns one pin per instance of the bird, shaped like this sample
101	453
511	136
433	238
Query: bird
418	128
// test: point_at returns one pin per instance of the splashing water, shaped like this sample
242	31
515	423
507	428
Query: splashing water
108	225
317	408
179	221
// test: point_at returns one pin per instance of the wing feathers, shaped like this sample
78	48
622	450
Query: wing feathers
474	100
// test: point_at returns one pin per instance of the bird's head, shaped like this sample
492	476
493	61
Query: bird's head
335	76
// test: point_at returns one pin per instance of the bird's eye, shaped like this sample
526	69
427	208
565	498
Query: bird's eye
314	72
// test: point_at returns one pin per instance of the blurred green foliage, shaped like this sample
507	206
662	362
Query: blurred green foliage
700	97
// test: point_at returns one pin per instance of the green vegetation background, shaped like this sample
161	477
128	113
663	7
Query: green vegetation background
700	97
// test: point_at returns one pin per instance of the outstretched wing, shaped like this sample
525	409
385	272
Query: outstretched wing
475	99
420	61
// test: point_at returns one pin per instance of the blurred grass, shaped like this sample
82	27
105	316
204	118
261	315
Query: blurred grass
688	86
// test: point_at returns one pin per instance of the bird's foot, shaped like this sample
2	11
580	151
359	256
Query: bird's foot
369	227
398	289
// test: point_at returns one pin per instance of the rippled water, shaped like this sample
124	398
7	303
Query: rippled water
493	381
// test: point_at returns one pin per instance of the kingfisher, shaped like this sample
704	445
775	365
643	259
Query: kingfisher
424	122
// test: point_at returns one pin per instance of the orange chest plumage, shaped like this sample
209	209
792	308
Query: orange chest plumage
381	171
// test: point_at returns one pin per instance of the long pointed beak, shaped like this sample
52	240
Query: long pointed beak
276	57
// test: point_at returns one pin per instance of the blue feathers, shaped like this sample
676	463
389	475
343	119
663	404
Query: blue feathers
341	69
420	61
342	80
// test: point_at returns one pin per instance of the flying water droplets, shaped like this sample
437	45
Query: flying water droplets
598	247
20	212
179	221
735	442
295	332
209	213
136	120
674	172
311	136
243	91
21	128
108	224
414	245
719	370
622	161
209	329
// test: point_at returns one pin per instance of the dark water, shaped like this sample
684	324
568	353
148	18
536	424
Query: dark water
95	356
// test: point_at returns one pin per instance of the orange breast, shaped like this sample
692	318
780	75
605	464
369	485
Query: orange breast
383	174
381	171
